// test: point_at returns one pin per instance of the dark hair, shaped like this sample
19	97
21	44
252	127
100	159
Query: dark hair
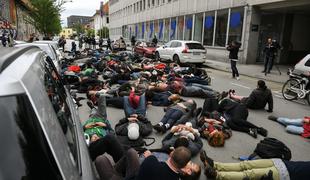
181	156
261	84
193	176
181	142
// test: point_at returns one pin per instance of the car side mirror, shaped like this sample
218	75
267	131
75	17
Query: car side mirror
70	79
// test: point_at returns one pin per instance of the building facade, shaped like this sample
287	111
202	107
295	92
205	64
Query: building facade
12	19
67	32
73	20
216	23
101	18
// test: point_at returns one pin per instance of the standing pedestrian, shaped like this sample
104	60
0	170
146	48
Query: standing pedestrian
270	51
155	41
3	40
73	48
100	42
133	42
10	40
62	42
233	49
109	44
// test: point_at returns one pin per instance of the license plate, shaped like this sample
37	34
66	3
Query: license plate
196	53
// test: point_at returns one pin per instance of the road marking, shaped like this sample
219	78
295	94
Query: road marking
241	85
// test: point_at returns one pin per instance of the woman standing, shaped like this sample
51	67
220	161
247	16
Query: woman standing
233	49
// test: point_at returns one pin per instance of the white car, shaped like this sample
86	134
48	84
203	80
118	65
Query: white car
182	52
303	66
54	44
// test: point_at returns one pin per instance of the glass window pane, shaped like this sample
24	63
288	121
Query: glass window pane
208	29
221	27
198	27
236	24
180	27
188	27
142	30
151	30
173	27
167	25
161	30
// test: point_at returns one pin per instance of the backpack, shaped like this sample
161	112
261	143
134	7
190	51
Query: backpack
271	148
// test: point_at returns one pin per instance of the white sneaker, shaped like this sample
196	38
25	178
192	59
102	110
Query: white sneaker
237	78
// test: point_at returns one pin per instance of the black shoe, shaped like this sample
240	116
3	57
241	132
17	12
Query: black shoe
263	71
262	132
158	128
210	172
253	132
90	104
205	159
273	118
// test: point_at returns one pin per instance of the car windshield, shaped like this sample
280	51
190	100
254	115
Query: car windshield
194	46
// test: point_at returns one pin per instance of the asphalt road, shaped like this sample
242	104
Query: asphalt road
239	143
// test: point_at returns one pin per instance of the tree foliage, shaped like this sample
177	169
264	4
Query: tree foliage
90	32
45	16
103	33
79	28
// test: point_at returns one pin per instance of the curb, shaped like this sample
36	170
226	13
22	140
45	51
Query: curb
262	77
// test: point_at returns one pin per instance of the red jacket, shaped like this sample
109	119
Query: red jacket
134	100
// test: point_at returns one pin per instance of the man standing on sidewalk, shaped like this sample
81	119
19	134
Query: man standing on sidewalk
270	50
233	49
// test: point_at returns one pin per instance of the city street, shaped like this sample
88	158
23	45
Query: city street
239	143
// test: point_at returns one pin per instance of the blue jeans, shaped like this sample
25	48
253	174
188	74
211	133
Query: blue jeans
293	126
171	116
141	109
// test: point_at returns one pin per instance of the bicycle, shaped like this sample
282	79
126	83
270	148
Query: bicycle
296	87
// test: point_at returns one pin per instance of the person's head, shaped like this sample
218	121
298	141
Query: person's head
180	157
191	171
174	97
94	137
181	142
261	84
133	131
269	40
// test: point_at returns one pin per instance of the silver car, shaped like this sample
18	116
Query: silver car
41	134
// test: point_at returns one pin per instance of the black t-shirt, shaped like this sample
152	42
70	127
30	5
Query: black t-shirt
152	169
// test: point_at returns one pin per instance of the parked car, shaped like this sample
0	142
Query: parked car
303	66
54	44
146	49
42	137
48	49
182	52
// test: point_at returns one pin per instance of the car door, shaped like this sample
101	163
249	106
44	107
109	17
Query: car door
171	50
164	52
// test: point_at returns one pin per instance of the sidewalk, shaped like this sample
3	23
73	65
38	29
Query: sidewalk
253	70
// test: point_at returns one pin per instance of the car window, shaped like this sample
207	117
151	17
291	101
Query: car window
174	44
179	44
56	93
194	46
168	44
307	63
24	152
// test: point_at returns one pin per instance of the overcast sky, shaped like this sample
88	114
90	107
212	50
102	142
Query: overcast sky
80	7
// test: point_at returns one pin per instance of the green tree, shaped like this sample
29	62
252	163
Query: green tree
90	32
103	33
45	16
79	28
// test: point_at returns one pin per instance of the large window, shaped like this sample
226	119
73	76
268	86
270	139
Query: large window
161	30
235	24
208	29
198	27
221	28
166	34
173	29
180	27
188	27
